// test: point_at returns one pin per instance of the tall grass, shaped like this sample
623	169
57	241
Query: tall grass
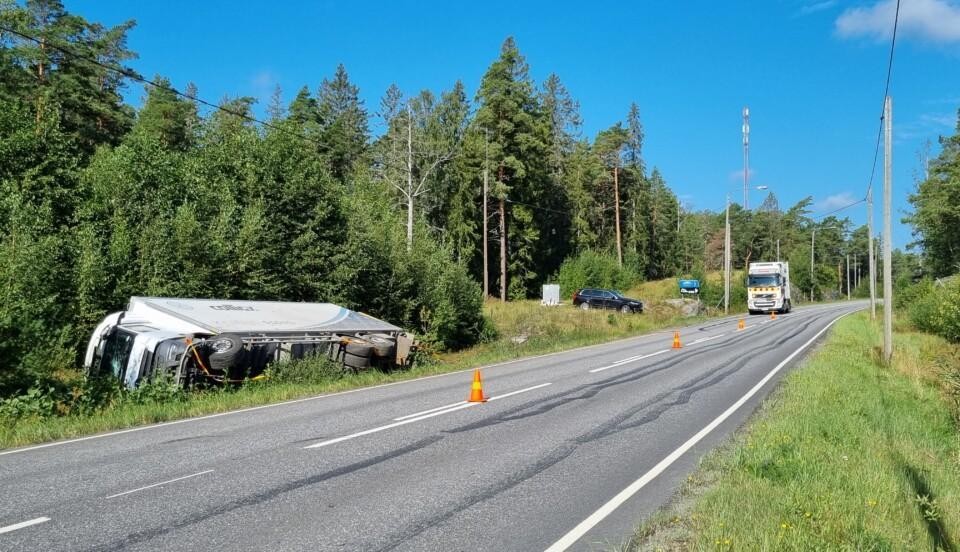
847	455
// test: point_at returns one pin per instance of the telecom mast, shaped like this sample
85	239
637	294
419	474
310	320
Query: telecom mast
746	157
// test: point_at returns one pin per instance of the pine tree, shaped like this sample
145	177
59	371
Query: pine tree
343	123
508	111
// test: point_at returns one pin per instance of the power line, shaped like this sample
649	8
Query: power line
886	92
847	206
137	77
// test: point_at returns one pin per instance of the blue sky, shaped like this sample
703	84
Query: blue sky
811	71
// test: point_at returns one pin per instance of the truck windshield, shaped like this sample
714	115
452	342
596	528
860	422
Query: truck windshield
116	352
764	280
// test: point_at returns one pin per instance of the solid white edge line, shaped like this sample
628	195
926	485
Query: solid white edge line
417	419
422	412
627	361
584	526
157	484
359	389
23	524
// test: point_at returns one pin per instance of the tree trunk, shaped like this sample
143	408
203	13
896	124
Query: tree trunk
616	211
503	250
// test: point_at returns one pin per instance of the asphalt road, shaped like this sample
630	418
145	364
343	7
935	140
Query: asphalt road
572	450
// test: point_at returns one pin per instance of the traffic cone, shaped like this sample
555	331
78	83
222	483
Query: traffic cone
741	325
773	315
676	340
476	390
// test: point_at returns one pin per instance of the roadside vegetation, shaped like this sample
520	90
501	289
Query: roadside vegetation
847	454
75	405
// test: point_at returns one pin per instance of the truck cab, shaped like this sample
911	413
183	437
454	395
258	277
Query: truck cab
768	287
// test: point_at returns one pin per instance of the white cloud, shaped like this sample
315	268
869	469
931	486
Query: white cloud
737	176
932	20
815	7
928	126
835	201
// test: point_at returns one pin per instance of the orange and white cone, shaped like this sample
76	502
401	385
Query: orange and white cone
676	340
773	315
476	390
741	325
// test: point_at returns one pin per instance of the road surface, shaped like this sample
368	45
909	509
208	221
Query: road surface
569	453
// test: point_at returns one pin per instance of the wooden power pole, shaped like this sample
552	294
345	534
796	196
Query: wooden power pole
616	207
887	230
486	231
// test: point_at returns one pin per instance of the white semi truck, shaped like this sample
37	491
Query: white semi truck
225	341
768	287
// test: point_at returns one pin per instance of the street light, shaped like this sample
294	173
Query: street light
726	252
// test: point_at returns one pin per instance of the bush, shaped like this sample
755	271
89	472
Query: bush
593	269
934	308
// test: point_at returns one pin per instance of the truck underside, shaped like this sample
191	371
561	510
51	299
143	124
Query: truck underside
196	341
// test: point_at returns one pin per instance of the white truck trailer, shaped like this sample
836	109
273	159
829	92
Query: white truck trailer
225	341
768	287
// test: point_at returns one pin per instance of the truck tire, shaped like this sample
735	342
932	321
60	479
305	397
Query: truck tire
384	345
356	352
226	352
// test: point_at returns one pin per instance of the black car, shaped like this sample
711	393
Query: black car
591	298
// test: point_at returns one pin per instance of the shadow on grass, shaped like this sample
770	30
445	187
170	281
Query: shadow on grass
926	503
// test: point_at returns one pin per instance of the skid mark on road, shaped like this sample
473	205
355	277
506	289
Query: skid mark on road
264	496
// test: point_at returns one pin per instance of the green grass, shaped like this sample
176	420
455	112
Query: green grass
524	328
846	455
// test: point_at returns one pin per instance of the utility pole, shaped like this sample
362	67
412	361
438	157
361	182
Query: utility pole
812	273
887	230
778	250
726	261
871	260
410	190
746	158
486	232
616	206
848	276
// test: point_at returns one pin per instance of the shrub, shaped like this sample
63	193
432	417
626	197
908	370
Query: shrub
934	308
593	269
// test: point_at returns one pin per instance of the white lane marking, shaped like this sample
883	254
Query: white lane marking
158	484
422	412
702	339
584	526
628	360
23	524
417	419
517	392
372	387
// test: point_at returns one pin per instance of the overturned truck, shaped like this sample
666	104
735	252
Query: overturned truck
206	340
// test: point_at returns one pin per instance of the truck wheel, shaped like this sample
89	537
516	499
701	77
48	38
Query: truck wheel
384	346
226	352
355	362
356	352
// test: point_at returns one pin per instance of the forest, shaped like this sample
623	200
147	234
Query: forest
101	200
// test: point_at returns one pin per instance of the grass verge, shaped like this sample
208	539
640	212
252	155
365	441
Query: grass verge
525	328
846	455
